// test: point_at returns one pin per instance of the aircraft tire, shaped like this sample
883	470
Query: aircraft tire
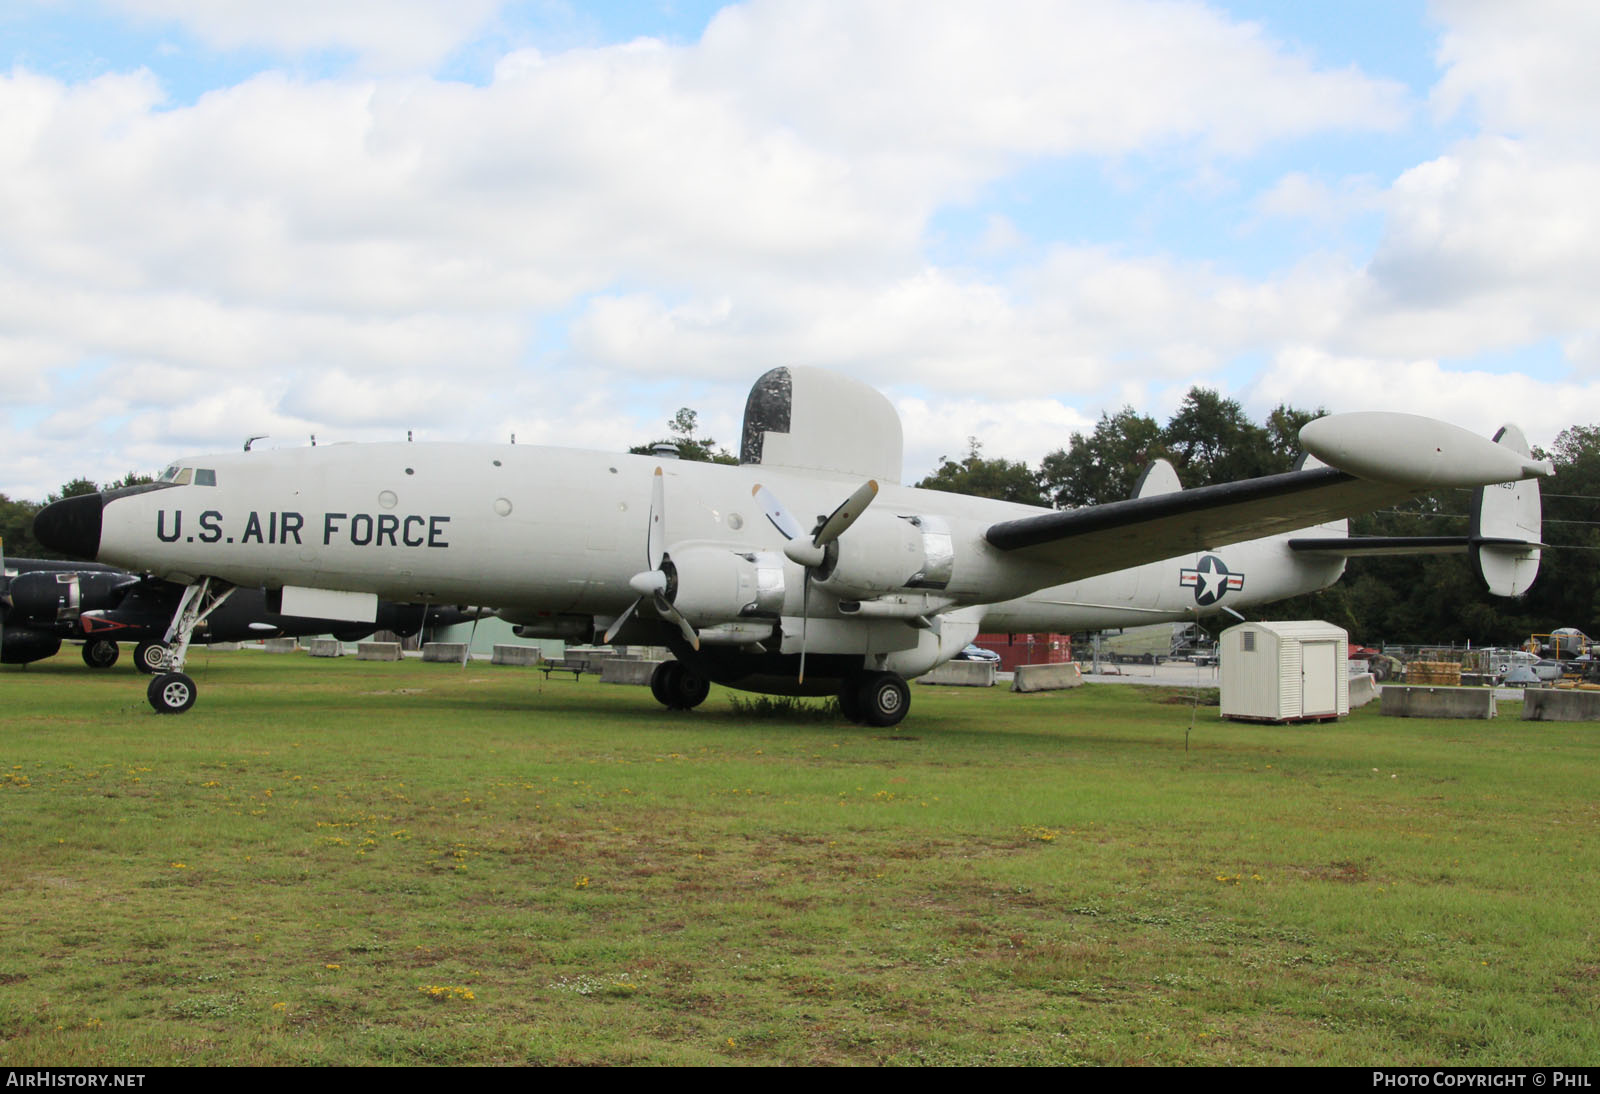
690	689
678	687
100	653
884	697
171	693
150	657
660	685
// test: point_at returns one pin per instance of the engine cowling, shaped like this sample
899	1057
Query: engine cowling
711	584
51	597
885	554
20	645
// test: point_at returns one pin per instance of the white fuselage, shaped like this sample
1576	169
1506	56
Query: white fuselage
535	531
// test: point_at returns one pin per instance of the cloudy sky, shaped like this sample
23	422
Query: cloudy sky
564	221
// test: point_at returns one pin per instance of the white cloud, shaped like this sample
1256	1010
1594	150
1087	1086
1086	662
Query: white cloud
1022	430
386	34
1524	69
1478	400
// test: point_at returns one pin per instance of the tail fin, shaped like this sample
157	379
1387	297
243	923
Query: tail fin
1507	523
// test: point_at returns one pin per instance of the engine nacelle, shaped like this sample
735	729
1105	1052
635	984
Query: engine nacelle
883	553
568	628
711	584
61	596
19	645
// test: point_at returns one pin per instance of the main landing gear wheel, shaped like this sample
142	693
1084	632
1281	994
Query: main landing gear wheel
150	656
882	699
678	687
100	653
171	693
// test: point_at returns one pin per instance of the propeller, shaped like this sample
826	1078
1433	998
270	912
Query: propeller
810	554
654	582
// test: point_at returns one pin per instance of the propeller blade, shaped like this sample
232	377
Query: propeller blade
655	546
844	516
781	518
805	617
665	607
611	631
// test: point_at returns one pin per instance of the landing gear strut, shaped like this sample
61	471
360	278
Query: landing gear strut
678	687
172	692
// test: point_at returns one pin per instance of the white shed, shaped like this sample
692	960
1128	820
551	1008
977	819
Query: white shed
1288	671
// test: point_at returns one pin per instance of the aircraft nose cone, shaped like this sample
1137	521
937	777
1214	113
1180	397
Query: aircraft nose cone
71	525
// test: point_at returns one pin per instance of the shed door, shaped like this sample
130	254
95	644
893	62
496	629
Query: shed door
1319	685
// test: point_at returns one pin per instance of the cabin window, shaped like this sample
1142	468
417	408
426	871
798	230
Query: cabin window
184	476
169	474
205	476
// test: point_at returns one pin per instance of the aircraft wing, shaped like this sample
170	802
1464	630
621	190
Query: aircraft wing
1117	535
1370	460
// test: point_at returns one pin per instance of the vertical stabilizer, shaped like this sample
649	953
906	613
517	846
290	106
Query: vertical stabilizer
1507	524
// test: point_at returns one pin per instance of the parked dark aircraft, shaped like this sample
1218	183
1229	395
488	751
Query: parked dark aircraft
44	602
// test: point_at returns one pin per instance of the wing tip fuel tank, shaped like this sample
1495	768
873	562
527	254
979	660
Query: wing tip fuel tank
1410	450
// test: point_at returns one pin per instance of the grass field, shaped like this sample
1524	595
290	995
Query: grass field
341	862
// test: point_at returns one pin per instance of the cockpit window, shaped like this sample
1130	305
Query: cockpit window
183	476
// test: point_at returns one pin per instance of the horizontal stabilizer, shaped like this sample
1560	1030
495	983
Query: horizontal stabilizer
1379	546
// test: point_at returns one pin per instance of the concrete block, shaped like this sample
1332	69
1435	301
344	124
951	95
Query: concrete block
377	651
590	656
223	647
1560	705
619	670
449	652
1363	689
507	654
281	645
1047	677
325	647
1438	702
961	674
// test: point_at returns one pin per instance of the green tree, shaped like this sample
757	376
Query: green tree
16	528
1212	441
683	426
1105	465
984	478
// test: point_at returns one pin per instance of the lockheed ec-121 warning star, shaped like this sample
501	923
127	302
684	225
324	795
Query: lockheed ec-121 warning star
806	570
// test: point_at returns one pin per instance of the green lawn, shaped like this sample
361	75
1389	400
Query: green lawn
339	862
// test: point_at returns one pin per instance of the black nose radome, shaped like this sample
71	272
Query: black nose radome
71	525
